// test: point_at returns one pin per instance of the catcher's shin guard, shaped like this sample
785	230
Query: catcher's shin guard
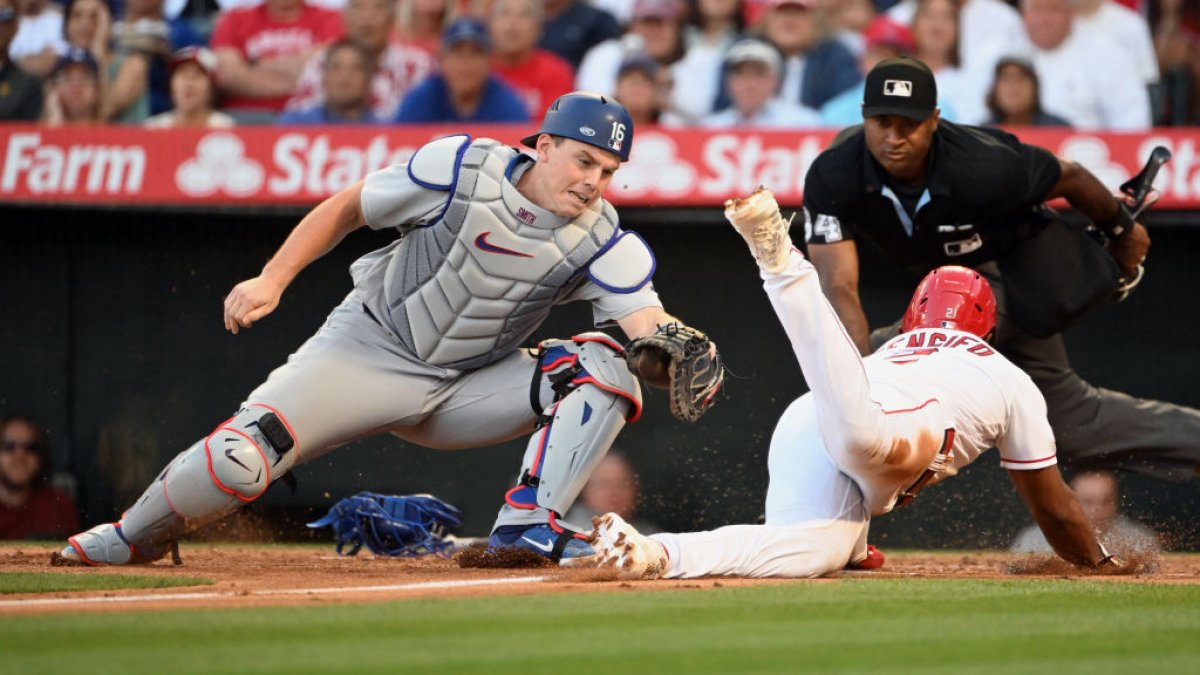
233	465
595	395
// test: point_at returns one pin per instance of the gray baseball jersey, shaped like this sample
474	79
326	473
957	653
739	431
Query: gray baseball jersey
426	346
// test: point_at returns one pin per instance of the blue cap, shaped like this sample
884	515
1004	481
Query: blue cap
467	29
590	118
77	56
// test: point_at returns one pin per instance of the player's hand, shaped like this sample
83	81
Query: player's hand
250	301
1130	250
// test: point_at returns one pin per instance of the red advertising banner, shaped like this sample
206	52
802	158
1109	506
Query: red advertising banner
273	166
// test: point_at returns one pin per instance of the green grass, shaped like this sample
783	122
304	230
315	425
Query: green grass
47	582
861	626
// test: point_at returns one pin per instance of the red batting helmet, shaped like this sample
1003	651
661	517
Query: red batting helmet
952	297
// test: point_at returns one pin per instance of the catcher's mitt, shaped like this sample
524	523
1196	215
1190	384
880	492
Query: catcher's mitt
408	526
683	360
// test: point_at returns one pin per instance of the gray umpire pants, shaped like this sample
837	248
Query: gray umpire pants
1093	427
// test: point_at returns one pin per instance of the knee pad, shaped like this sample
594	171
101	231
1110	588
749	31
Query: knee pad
595	396
236	463
588	358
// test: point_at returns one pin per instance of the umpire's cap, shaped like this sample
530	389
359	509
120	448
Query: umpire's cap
588	118
900	86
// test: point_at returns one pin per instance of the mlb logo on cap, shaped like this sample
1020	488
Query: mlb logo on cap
897	88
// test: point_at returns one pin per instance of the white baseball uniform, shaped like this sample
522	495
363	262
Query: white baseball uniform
866	433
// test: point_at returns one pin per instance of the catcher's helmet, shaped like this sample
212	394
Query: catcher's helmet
952	297
588	118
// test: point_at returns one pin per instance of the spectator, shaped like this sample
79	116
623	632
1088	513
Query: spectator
573	27
935	30
612	488
848	21
815	68
20	92
981	23
421	23
1125	28
87	24
1087	81
136	83
398	67
261	51
752	77
885	39
39	37
29	507
1016	99
538	76
464	90
1177	41
73	96
347	86
193	92
1100	496
656	30
713	27
644	88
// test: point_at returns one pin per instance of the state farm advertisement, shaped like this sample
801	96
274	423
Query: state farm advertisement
264	166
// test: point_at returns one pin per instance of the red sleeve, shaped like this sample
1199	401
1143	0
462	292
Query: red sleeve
330	27
228	31
560	77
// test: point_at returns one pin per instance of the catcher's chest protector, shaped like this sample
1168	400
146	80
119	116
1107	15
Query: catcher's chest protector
470	288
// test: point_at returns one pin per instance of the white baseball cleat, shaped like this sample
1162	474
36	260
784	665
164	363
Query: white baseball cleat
758	220
621	547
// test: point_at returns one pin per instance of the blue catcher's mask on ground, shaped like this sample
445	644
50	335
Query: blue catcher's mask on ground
406	526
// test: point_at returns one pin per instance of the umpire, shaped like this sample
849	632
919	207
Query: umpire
929	193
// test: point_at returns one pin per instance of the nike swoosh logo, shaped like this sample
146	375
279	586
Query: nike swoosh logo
541	547
482	244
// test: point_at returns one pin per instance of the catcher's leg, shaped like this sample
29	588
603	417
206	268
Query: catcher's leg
344	382
594	395
233	465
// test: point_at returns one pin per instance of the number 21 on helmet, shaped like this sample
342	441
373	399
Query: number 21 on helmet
952	297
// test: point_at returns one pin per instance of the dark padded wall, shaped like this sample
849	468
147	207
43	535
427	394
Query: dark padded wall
111	335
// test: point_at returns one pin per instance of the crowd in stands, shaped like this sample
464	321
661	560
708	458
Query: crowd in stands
1088	64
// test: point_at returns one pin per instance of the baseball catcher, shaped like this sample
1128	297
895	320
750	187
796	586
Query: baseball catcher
430	344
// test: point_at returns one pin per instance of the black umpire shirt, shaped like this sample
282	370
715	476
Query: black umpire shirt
982	185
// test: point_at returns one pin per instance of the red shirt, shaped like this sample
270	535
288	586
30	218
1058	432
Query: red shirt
49	513
538	80
257	35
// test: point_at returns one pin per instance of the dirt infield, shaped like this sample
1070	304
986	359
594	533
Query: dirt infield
248	576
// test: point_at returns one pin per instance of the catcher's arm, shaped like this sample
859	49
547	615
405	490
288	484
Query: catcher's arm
644	321
1057	512
318	232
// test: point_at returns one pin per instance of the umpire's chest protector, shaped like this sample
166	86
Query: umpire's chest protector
470	287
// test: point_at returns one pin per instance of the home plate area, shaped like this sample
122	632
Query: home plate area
246	575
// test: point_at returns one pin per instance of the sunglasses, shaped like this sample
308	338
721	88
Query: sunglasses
7	14
9	445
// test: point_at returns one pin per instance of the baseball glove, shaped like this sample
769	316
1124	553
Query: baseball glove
408	526
683	360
